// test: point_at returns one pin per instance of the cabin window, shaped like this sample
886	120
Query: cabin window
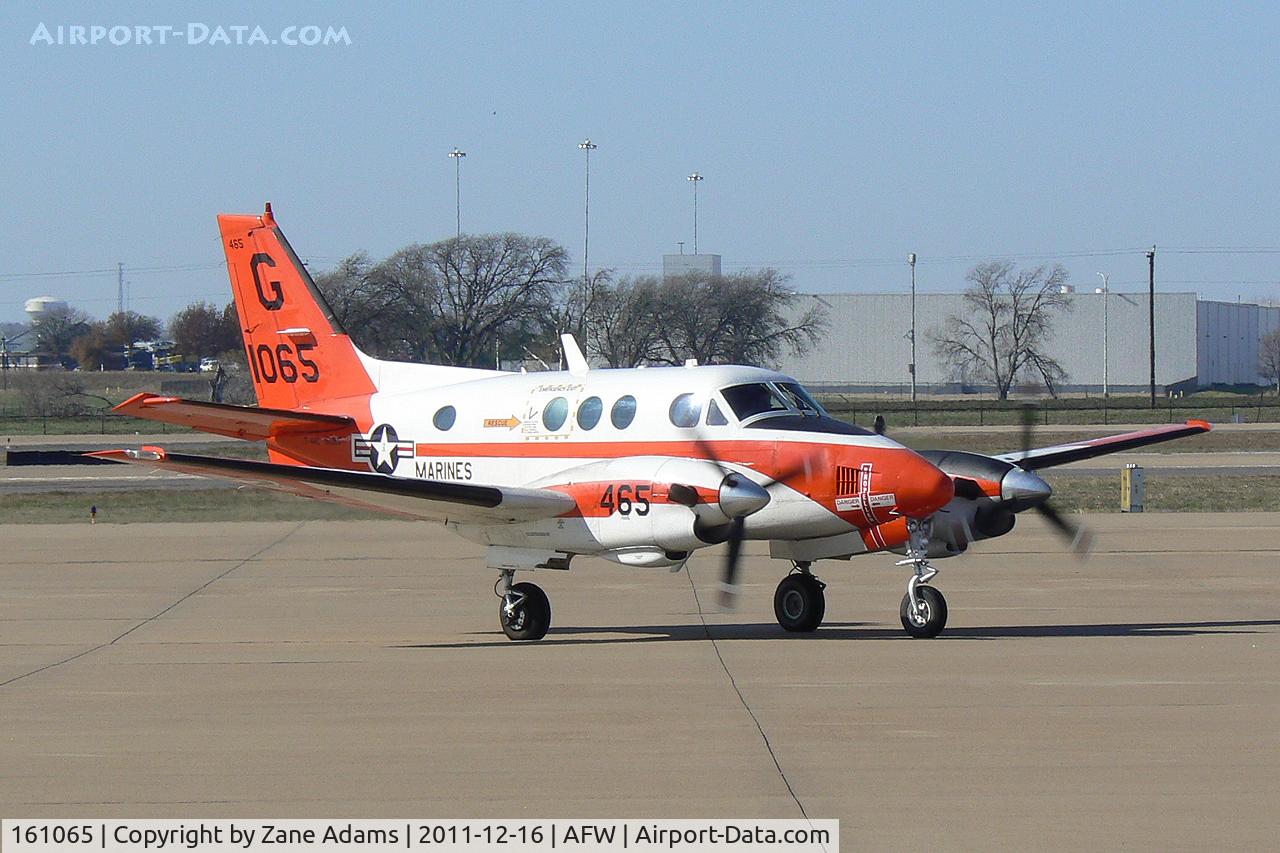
589	411
753	399
715	417
624	412
555	414
685	411
444	418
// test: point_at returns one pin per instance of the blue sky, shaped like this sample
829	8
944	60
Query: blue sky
834	139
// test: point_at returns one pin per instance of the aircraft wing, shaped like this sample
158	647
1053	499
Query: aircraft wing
248	422
430	500
1061	454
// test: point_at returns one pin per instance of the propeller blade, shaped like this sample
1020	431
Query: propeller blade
805	465
1077	535
1028	426
879	425
728	583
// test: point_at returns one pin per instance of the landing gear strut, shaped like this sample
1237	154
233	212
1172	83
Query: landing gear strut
799	602
525	611
923	610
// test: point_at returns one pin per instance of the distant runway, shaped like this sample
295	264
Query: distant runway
356	669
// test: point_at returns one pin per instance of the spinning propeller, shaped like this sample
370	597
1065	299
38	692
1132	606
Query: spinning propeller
1076	535
739	496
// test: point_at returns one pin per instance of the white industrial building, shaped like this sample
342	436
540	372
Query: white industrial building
1198	343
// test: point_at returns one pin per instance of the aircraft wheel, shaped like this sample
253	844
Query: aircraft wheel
799	603
525	612
934	618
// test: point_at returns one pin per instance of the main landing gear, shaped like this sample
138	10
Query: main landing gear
799	602
923	610
525	611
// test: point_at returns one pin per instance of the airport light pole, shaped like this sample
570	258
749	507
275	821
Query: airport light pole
911	259
696	179
588	146
457	154
1106	293
1151	317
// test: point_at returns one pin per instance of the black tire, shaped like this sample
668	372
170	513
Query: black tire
935	613
531	618
799	603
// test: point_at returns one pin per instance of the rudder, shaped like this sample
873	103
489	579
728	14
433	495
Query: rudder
297	349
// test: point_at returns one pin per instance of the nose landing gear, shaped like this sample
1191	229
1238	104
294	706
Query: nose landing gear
525	611
924	609
799	603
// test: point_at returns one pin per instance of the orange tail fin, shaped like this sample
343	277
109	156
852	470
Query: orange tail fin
298	351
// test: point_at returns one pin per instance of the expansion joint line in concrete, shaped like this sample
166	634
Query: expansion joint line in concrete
706	629
249	559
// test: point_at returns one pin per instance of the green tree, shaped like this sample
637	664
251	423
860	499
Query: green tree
202	330
55	331
126	328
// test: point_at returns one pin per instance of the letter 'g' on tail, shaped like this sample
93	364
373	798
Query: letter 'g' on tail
298	351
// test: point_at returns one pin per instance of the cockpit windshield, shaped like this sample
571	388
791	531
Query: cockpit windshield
759	398
754	399
800	398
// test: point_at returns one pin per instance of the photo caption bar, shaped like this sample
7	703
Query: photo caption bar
386	836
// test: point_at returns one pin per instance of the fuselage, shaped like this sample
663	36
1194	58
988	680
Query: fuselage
616	440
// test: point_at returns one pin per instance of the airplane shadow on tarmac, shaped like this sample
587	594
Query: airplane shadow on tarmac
601	635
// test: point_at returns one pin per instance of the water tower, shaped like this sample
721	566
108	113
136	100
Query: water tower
42	306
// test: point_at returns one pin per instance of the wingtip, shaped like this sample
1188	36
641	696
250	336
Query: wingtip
147	453
1204	426
107	454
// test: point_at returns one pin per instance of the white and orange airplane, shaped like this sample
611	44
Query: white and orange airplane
642	467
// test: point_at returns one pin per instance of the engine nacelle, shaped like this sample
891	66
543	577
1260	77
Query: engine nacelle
638	507
984	506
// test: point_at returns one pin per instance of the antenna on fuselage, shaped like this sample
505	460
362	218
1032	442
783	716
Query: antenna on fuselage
573	356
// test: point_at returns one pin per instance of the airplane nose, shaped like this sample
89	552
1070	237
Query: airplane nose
923	489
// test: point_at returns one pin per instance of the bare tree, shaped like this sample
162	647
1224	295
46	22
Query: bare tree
620	328
743	318
488	287
377	307
56	393
1269	357
1004	331
456	302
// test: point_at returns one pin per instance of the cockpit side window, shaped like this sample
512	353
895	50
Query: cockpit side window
753	399
715	417
800	398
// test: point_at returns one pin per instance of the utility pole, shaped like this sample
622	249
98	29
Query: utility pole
696	179
457	155
119	288
1106	292
588	146
911	259
1151	316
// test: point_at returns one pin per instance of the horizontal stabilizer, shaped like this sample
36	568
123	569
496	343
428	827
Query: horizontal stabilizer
430	500
248	422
